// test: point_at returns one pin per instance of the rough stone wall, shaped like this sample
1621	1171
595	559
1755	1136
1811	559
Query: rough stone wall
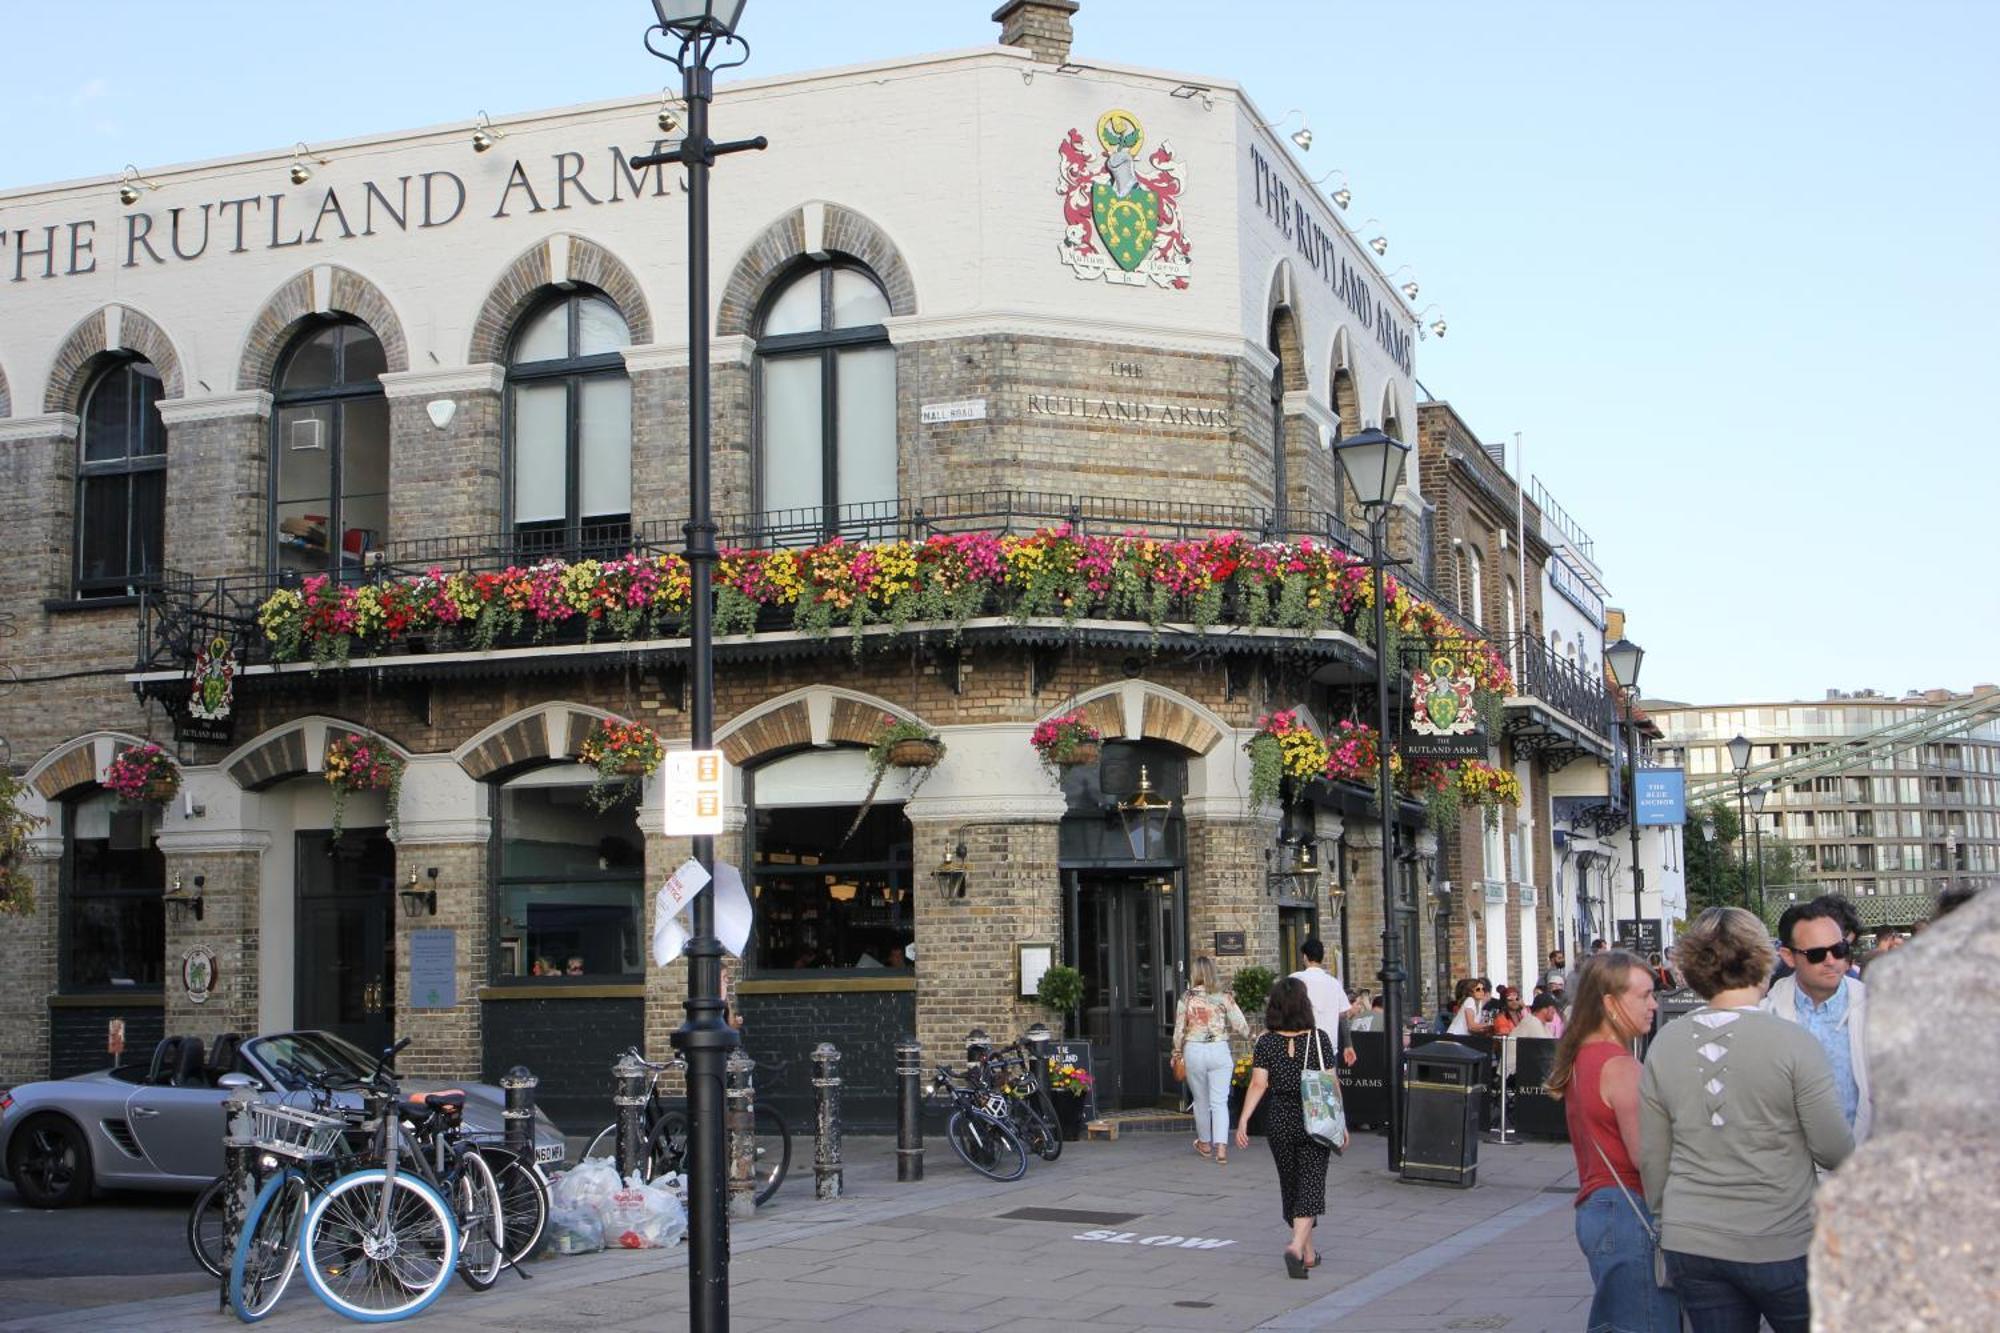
37	497
1225	884
228	927
445	481
217	510
445	1043
966	959
28	946
1899	1241
1042	26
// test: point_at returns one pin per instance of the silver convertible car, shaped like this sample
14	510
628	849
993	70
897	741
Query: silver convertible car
159	1125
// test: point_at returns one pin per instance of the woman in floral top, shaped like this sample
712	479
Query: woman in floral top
1203	1022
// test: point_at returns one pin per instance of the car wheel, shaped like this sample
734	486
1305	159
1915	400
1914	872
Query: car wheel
49	1163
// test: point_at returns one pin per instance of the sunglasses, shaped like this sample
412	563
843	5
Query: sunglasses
1819	954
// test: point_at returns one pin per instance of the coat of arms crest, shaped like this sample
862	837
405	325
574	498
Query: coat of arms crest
1121	210
212	682
1441	700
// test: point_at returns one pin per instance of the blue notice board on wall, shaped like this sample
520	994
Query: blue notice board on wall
433	969
1662	796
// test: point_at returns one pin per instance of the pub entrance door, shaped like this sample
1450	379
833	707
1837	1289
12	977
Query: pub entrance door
1126	950
346	932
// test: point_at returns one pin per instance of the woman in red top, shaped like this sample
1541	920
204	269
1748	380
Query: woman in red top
1598	1081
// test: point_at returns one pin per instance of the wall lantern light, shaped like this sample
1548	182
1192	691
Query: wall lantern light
950	873
184	905
1144	814
420	902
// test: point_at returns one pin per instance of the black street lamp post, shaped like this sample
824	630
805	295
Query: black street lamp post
1739	759
1374	463
1624	657
1758	795
704	1039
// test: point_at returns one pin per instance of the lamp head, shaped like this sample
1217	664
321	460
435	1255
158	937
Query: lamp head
1373	460
1758	795
1410	290
1624	657
693	18
1379	244
1343	197
1739	753
1303	137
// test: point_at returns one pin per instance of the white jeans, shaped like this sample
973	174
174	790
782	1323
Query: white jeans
1209	1065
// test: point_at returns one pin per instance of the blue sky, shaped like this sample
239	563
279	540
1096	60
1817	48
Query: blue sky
1732	270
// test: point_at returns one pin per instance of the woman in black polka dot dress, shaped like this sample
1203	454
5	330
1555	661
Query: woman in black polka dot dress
1284	1050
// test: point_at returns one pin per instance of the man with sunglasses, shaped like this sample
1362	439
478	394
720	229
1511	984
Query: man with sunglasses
1821	997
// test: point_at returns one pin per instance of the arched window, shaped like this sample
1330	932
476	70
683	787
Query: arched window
826	399
114	922
1513	609
570	881
330	452
1278	478
1475	595
121	481
569	411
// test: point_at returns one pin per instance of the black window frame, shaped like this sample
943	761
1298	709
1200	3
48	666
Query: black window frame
71	896
498	881
1280	481
139	423
609	534
338	395
898	868
826	344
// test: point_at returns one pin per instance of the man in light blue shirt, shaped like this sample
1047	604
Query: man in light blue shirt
1821	998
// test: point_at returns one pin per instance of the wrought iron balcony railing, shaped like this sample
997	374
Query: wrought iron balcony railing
187	611
1540	674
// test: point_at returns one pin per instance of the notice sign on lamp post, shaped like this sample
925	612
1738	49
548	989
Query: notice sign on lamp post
693	785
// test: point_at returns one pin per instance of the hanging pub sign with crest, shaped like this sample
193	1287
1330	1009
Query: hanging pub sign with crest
1441	722
211	702
1121	205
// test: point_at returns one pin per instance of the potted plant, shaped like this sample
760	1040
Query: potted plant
623	753
143	774
1239	1086
1069	1093
1060	990
1066	741
360	762
17	887
1251	987
902	743
1283	747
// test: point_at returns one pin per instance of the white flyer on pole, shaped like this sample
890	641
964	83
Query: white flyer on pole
732	910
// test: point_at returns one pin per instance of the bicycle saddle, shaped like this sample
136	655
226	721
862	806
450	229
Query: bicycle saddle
450	1101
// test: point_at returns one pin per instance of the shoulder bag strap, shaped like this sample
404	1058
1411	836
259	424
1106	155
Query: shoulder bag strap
1646	1226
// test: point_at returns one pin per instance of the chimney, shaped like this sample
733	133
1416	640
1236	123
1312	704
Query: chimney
1040	26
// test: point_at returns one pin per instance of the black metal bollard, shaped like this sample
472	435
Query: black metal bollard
909	1110
630	1078
519	1115
239	1159
827	1175
741	1119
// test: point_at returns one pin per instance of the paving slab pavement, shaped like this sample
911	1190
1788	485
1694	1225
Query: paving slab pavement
1137	1234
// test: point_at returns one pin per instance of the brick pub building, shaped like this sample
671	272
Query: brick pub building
987	291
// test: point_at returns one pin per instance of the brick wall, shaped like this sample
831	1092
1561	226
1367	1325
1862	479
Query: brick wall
28	977
229	928
445	1043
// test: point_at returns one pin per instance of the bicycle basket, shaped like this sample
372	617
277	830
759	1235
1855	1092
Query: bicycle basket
289	1132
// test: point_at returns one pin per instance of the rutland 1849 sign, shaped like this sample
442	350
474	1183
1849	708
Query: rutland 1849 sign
1441	722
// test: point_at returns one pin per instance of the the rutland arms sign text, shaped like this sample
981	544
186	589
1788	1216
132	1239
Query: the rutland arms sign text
1292	216
421	200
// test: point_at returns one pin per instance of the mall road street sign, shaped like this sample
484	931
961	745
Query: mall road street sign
693	785
1662	796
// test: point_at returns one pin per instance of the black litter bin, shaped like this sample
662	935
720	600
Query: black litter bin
1444	1097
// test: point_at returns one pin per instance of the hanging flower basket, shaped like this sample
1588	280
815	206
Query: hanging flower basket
358	762
921	752
622	753
1067	741
143	774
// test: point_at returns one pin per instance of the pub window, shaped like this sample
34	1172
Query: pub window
571	879
825	899
569	408
114	922
330	454
1278	478
827	401
121	481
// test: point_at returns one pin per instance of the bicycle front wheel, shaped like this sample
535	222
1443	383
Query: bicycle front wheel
667	1147
773	1153
268	1253
482	1222
986	1145
524	1200
207	1228
372	1272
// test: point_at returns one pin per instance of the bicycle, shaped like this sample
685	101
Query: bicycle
979	1130
1013	1070
664	1128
